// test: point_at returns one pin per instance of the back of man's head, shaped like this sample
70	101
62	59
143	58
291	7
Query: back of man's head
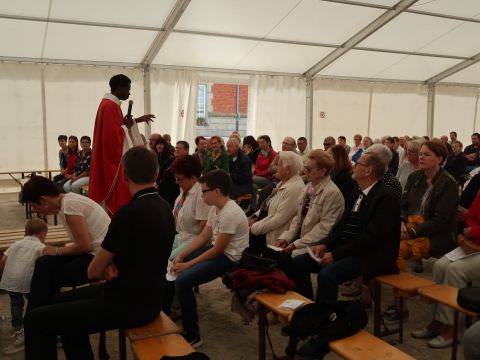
382	152
140	165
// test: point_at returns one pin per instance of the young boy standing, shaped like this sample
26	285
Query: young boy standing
17	264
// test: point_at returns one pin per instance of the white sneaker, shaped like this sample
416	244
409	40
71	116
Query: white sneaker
18	343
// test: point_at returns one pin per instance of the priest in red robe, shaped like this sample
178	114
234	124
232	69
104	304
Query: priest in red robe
113	135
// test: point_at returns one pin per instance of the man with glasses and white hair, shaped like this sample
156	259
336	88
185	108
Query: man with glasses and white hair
364	243
385	155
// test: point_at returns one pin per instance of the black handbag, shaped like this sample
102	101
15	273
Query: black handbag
469	298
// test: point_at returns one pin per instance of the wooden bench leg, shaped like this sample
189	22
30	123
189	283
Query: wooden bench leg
400	321
455	335
102	346
262	320
377	308
122	345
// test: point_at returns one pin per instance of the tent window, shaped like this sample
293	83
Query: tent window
221	109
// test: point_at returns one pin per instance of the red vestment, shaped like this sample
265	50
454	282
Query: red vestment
107	186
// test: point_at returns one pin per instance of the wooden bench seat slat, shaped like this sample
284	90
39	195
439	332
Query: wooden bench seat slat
162	325
365	346
157	347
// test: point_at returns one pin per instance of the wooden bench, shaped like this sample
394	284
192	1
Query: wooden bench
57	236
157	347
405	285
447	295
271	302
366	346
161	326
361	346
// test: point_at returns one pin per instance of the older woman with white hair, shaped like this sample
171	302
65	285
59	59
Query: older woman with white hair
319	208
281	205
385	154
412	163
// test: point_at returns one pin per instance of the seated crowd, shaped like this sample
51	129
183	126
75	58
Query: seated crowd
346	213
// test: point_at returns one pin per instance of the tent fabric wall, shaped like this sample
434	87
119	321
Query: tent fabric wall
340	107
72	96
455	109
174	103
343	107
398	109
276	107
22	117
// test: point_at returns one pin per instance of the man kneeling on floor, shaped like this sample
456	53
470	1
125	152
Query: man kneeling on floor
131	260
200	262
364	243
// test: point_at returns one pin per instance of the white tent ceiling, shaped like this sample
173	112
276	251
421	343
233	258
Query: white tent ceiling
423	41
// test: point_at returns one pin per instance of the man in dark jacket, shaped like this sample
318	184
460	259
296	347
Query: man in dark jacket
240	169
364	243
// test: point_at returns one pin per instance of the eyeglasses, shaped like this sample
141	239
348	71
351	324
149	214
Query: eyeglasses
359	163
327	144
285	143
206	190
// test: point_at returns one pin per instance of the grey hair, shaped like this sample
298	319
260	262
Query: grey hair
292	160
382	151
415	144
234	138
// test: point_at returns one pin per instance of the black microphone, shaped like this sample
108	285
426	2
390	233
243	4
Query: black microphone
130	104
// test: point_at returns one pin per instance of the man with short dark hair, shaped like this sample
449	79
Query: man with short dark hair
168	139
62	157
181	148
453	136
202	149
342	140
328	142
303	149
240	169
393	165
472	152
113	135
213	252
132	260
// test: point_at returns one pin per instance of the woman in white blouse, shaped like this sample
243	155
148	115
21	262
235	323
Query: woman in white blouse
190	211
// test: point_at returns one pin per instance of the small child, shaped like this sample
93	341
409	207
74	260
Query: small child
18	264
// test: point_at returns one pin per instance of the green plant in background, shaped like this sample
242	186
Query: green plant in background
201	121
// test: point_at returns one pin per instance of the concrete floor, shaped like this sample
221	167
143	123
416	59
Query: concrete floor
223	333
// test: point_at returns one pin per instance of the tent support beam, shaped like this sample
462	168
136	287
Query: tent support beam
430	109
412	11
147	98
169	24
309	112
454	69
306	43
360	36
44	118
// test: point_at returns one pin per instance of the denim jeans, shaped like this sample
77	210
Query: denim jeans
328	277
17	302
201	273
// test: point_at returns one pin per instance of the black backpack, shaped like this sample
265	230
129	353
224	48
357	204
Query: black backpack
469	298
326	322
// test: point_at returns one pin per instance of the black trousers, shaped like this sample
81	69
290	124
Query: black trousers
76	314
53	272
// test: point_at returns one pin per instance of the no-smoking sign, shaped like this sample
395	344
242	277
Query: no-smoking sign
322	114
